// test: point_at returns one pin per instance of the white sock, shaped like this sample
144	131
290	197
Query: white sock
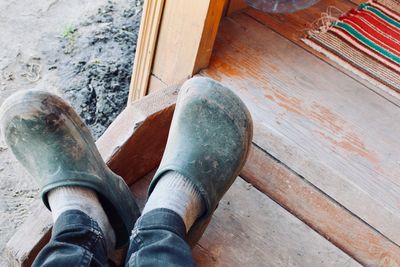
175	192
66	198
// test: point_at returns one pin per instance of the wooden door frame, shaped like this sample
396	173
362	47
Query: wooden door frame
169	52
146	43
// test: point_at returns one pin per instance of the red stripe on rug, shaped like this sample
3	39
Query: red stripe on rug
397	41
346	37
372	34
376	20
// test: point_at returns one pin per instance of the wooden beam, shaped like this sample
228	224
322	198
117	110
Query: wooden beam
139	133
186	38
323	214
148	33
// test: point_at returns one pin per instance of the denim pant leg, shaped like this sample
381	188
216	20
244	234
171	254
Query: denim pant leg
158	239
76	240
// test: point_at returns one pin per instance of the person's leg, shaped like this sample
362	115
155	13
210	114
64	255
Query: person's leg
93	209
77	240
159	239
159	236
82	234
207	146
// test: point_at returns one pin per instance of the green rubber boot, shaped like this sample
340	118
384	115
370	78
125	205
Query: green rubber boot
208	143
55	146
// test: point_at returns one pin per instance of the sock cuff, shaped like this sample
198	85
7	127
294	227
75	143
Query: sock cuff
175	180
72	190
177	193
66	198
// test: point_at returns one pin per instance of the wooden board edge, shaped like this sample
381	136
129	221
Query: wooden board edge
132	118
148	33
323	214
209	34
32	235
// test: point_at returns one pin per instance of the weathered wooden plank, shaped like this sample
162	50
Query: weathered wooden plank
148	33
186	39
249	229
323	214
139	133
325	126
295	26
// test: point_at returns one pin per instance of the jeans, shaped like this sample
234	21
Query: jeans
158	239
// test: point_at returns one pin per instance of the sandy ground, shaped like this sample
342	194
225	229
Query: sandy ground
37	38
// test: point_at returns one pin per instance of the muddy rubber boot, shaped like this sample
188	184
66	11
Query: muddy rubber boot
55	146
208	142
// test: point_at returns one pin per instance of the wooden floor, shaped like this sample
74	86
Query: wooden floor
333	165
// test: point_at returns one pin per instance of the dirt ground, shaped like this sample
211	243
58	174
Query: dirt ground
81	50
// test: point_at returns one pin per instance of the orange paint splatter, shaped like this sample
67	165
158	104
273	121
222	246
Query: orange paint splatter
274	68
353	145
270	97
328	120
221	66
291	104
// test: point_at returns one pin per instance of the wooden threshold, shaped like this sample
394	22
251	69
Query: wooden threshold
247	221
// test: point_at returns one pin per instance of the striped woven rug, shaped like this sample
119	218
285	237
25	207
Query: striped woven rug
365	40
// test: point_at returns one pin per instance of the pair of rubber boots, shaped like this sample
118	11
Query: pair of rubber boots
208	143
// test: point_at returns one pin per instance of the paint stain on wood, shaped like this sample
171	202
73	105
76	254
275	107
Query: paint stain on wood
326	118
291	104
353	145
222	66
337	132
238	66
